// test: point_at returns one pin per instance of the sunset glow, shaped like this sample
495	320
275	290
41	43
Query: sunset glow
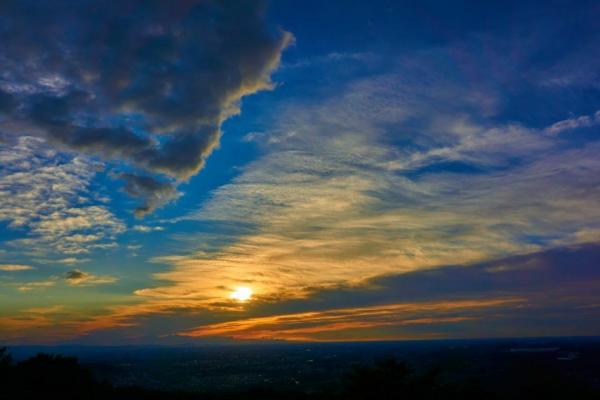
241	294
221	171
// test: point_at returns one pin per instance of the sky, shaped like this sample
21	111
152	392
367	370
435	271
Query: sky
241	171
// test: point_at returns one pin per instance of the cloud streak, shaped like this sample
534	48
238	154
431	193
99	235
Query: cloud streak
337	323
15	267
583	121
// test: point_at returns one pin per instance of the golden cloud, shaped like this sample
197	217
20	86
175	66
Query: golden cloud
311	326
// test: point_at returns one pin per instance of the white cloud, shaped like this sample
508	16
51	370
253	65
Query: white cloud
583	121
48	195
146	229
72	260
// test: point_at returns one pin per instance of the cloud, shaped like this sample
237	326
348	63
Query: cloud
584	121
77	277
28	286
55	309
14	267
49	194
344	323
510	295
72	260
146	229
152	191
149	88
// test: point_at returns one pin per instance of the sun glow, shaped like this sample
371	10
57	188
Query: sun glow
241	294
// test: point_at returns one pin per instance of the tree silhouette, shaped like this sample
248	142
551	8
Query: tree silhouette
53	375
387	379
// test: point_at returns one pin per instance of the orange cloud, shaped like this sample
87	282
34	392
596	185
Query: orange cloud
319	325
15	267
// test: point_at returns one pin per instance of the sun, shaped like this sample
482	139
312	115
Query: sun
241	294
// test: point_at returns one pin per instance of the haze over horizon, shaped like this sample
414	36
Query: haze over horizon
206	171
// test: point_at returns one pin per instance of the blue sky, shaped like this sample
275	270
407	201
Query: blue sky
374	170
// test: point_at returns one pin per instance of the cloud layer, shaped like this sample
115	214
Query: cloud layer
395	173
503	297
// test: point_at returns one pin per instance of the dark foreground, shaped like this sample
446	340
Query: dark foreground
525	369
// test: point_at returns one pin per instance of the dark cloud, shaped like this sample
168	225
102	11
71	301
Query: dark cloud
144	82
568	271
153	192
75	275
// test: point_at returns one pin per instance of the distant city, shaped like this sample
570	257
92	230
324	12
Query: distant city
313	368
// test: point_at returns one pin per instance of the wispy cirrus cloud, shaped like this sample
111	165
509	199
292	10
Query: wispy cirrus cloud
395	174
584	121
